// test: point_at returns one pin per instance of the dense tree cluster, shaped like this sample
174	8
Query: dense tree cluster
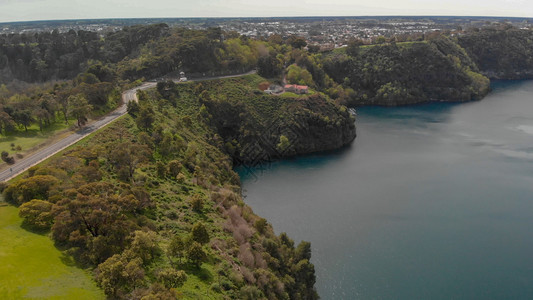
501	52
200	53
52	55
406	73
85	96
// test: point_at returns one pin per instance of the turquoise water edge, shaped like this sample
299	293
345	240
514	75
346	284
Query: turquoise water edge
431	201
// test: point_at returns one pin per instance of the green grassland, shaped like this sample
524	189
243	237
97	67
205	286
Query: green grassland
31	267
32	138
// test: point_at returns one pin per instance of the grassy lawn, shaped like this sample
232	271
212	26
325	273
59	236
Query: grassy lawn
31	267
198	282
31	138
34	137
294	95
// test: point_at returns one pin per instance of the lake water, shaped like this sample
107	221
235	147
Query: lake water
430	202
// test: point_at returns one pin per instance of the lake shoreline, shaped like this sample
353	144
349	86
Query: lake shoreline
361	209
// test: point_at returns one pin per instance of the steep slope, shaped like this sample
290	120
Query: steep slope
407	73
501	53
153	205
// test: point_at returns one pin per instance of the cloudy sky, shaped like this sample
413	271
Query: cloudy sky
23	10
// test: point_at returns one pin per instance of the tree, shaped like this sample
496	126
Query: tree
79	108
161	169
303	251
283	144
22	114
145	246
261	225
4	91
158	292
176	247
269	66
6	122
275	39
304	274
381	40
354	47
296	42
119	275
167	89
97	222
196	254
171	278
35	187
197	203
174	168
313	48
62	99
37	214
133	108
298	75
146	117
199	233
41	115
249	292
49	104
126	156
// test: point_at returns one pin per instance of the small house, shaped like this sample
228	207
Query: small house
297	89
274	89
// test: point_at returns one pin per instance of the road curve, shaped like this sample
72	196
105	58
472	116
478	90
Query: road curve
22	165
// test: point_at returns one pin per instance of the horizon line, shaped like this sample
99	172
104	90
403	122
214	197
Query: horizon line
267	17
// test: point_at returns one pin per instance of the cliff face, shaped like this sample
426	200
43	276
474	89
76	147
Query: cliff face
501	54
318	125
408	73
256	127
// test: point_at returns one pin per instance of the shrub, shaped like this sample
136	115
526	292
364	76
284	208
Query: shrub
37	214
197	203
199	233
196	254
171	278
260	225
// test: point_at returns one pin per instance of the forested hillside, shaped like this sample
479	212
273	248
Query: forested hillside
501	53
48	56
437	68
152	202
407	73
134	52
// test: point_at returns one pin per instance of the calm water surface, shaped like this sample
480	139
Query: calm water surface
430	202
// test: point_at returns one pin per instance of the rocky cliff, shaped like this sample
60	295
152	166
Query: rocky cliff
256	127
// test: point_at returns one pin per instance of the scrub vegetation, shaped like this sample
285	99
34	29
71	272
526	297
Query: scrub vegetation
153	205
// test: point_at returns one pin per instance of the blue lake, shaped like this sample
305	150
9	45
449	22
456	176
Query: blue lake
429	202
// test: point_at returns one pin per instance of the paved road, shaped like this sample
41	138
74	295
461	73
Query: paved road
22	165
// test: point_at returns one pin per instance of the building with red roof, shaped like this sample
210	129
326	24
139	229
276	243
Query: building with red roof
297	89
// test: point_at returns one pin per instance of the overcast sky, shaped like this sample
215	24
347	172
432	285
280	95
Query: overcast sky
23	10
